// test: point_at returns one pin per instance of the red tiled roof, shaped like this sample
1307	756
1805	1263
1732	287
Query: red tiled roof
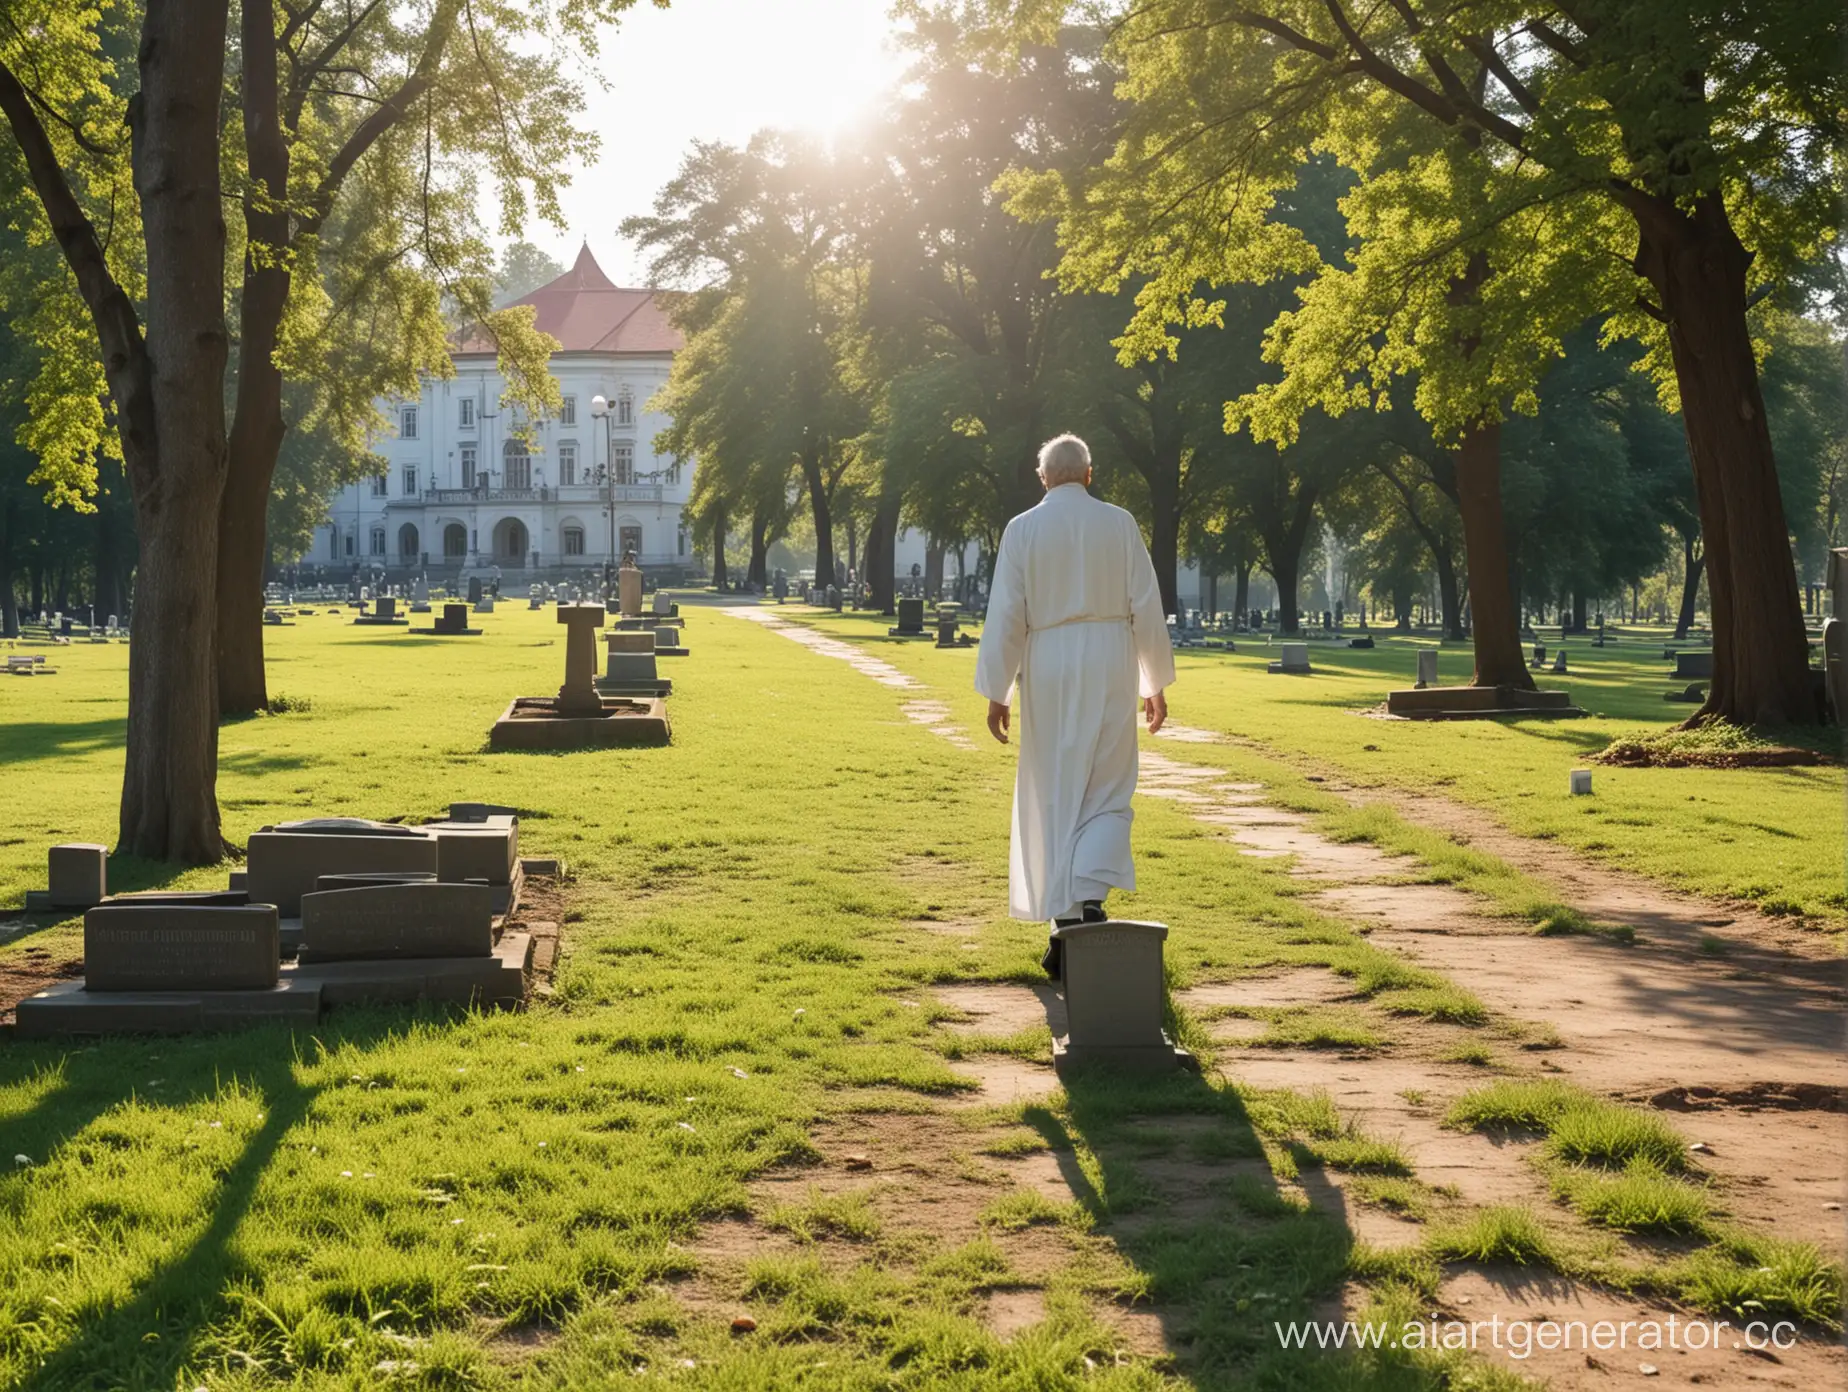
588	314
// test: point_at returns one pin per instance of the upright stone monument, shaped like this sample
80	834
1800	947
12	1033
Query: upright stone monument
578	696
1294	660
629	588
1427	668
1114	999
910	619
631	669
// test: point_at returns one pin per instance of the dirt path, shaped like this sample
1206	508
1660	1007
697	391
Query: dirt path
1728	1023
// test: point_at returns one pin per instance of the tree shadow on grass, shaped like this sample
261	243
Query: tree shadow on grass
25	740
149	1340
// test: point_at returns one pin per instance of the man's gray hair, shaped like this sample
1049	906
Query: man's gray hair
1066	459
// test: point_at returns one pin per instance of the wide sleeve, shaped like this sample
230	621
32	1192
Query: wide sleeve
1147	621
1004	631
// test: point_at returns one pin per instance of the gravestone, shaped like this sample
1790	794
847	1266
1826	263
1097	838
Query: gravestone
669	642
454	621
77	875
1580	782
1559	662
629	588
486	605
1539	656
481	848
1114	998
910	619
1294	660
578	696
664	606
1692	665
1427	668
420	596
143	946
283	863
397	920
630	668
1835	667
474	589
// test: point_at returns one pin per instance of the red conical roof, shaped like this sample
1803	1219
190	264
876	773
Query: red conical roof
588	313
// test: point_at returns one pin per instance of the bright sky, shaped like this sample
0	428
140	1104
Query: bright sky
713	70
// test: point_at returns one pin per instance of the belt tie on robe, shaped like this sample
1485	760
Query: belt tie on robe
1079	619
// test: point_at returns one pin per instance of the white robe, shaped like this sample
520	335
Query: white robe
1075	617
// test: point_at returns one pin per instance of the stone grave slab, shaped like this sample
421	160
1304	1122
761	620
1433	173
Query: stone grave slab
77	874
486	850
451	623
499	979
1479	703
630	668
68	1009
910	619
1294	660
283	864
669	642
1690	666
1427	668
535	723
1114	998
397	921
130	946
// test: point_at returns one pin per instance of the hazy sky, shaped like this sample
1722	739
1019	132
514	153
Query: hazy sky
712	70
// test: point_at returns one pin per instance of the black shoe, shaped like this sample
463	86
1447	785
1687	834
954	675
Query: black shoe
1053	962
1094	912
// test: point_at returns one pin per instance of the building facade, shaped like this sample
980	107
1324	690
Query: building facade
464	489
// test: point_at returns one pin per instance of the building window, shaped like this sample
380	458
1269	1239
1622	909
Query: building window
380	485
625	408
349	543
574	541
378	541
567	411
567	463
624	463
630	539
333	542
468	466
516	465
455	541
683	541
466	416
407	422
410	480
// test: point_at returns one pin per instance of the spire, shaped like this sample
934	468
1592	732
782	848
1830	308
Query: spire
585	273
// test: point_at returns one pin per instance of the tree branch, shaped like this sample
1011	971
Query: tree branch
1484	49
390	113
117	328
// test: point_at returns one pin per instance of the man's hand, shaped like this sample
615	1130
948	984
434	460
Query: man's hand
1154	707
998	716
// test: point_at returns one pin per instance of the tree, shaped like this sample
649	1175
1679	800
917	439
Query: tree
523	269
758	238
1662	163
164	363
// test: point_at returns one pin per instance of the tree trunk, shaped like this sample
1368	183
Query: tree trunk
933	569
1209	580
1165	537
853	544
1285	564
1450	596
9	596
1241	593
1497	627
174	438
759	570
1760	650
718	547
1690	588
882	553
814	466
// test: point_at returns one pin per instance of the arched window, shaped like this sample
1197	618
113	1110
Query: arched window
407	542
516	465
573	538
455	541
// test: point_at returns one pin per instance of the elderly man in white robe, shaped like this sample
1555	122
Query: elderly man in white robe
1075	621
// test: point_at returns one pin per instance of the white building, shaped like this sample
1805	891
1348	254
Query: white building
462	491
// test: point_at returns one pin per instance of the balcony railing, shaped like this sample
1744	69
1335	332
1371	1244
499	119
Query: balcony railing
569	493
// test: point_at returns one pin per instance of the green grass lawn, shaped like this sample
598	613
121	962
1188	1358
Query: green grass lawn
438	1200
1774	836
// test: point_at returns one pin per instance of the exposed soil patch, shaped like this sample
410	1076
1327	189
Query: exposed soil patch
995	1008
1005	1081
1300	986
1481	1294
1007	1312
1783	1097
31	969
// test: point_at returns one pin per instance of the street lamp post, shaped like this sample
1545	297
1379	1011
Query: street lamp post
600	409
